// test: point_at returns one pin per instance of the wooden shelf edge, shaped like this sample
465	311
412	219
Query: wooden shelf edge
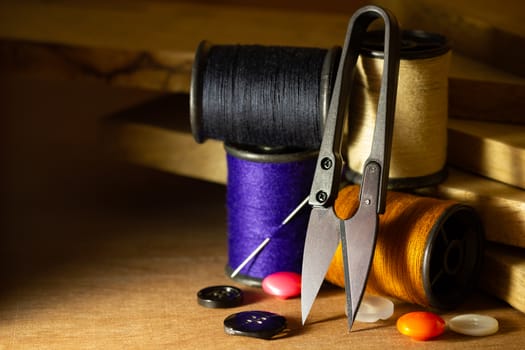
498	149
147	136
503	274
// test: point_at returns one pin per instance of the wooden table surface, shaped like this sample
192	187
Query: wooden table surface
126	271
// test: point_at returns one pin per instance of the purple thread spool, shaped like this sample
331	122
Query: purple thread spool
264	186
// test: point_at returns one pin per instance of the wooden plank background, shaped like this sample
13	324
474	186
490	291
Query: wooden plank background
150	44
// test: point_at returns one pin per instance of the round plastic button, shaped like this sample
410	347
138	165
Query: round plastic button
473	324
220	297
374	308
258	324
421	325
282	284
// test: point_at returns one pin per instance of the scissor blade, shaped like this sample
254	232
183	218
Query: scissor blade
322	238
358	241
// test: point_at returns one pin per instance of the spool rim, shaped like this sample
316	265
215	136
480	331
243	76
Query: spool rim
448	274
244	279
199	63
263	154
415	44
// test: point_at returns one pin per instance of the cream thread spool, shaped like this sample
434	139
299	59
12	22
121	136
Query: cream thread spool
419	142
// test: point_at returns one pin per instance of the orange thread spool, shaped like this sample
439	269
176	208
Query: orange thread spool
428	250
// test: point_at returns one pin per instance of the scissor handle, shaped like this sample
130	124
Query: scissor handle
325	185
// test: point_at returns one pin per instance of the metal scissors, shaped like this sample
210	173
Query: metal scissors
357	234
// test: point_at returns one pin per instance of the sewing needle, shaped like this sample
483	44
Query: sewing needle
267	239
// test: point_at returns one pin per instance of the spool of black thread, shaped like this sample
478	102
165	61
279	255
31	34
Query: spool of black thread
272	96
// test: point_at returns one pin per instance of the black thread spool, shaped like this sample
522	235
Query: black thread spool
261	95
420	129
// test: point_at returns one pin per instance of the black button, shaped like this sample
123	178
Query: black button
220	297
258	324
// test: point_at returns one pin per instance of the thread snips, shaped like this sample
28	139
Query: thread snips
357	234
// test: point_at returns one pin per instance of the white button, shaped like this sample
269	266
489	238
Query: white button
473	324
374	308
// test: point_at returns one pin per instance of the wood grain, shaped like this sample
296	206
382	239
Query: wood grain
480	92
165	25
503	274
494	150
488	31
476	91
168	71
501	207
484	30
157	135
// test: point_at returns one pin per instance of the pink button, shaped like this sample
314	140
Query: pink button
283	285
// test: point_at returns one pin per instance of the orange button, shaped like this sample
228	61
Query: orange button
421	325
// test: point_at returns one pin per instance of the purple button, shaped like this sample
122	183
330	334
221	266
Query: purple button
258	324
